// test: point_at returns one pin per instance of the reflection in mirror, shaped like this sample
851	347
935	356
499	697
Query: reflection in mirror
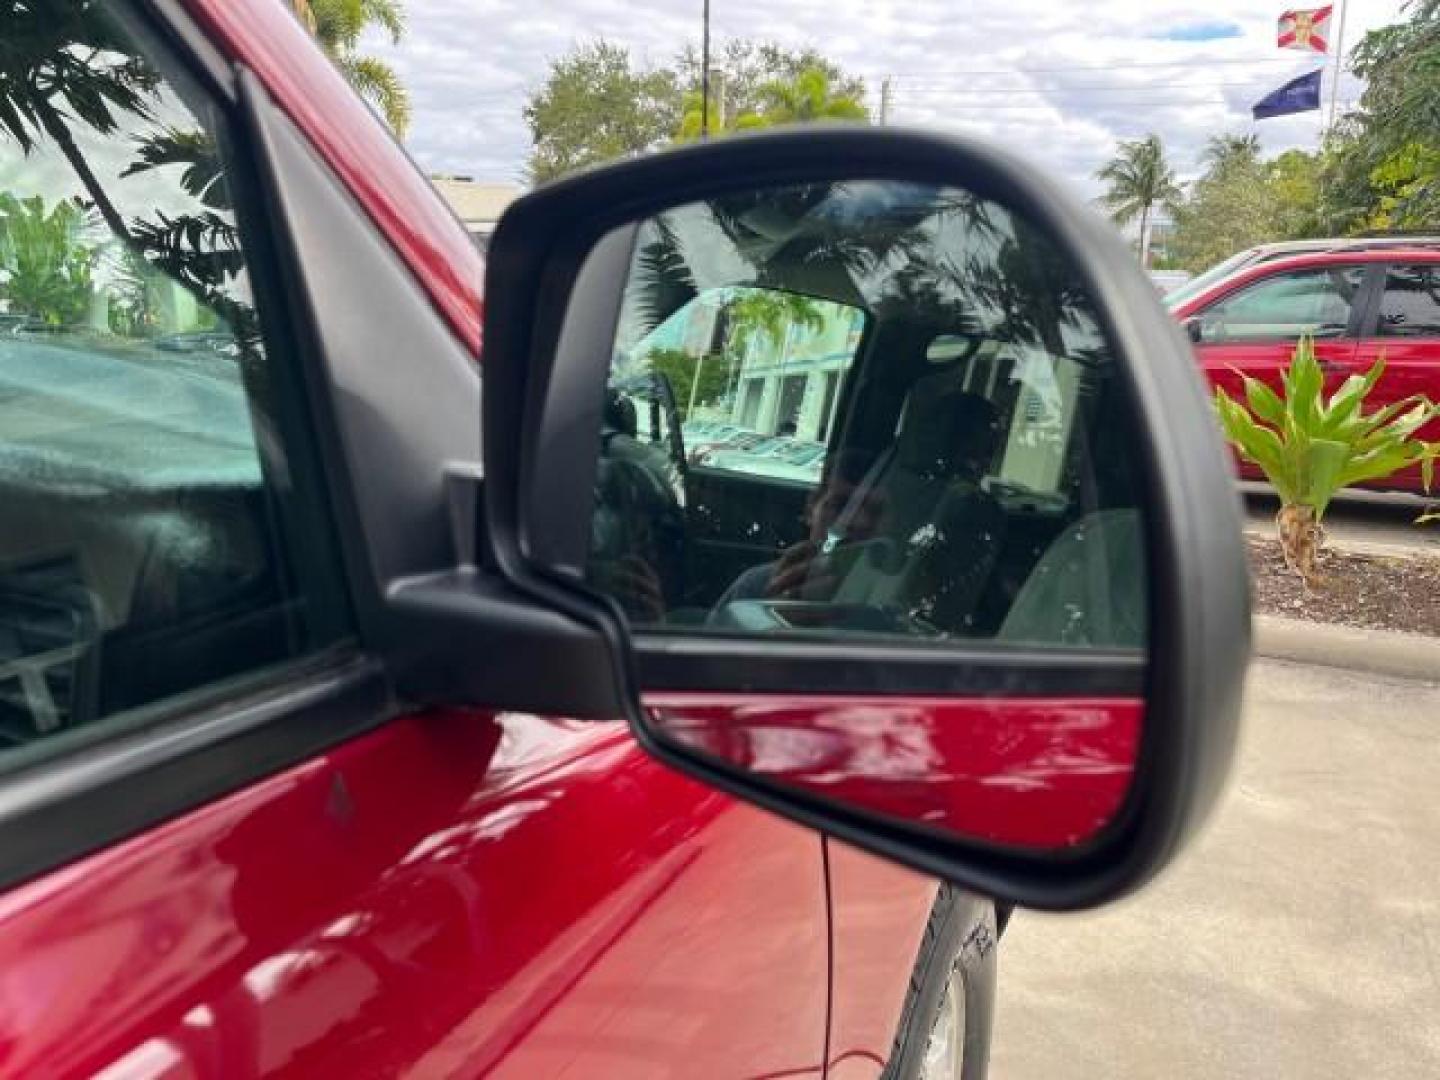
1037	772
870	410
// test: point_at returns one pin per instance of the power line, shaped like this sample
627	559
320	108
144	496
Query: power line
954	73
1087	88
1137	103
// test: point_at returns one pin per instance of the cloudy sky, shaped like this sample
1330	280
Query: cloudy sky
1058	80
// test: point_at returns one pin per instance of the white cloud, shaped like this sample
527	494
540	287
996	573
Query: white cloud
985	67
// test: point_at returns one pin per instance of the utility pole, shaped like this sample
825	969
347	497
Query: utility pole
1339	63
884	100
717	80
705	72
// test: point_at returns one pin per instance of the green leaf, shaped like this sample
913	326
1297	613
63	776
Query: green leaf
1264	402
1373	375
1305	384
1256	443
1326	461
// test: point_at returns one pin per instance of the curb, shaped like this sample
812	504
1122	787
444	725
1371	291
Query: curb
1377	652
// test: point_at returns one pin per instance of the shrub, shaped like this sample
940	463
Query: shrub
1309	447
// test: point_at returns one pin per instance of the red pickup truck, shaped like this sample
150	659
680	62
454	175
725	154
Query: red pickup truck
351	725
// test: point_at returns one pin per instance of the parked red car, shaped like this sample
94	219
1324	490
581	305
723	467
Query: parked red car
1357	304
353	728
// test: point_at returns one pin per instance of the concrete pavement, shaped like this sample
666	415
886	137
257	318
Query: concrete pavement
1300	937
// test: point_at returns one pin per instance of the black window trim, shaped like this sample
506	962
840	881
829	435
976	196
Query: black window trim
1377	297
1366	316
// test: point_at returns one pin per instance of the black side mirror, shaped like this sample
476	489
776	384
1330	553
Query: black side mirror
1195	329
842	617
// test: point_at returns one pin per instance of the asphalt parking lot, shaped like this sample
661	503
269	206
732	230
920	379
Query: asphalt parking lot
1300	937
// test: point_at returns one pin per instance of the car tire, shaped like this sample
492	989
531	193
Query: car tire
953	986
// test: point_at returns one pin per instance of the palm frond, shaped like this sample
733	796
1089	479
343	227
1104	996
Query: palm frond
377	81
203	173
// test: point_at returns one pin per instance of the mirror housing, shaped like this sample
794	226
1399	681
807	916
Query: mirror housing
1194	329
557	267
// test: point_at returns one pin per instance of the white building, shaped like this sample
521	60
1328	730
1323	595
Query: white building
478	205
792	386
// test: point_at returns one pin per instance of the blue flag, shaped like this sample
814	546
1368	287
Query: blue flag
1298	95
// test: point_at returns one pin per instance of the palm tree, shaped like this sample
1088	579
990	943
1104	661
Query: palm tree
1137	180
67	63
46	258
809	97
1224	153
337	26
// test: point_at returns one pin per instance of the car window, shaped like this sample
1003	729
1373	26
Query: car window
155	537
1410	304
1283	307
755	374
1196	285
974	446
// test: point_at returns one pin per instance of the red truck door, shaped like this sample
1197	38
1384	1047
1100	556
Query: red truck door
1251	331
227	846
1403	326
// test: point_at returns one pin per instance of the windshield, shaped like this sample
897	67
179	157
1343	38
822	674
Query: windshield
1196	285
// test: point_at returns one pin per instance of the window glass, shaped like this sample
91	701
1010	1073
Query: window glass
149	537
1283	307
1196	285
755	375
1410	305
900	419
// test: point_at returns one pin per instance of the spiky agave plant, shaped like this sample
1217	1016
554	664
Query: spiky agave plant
1309	447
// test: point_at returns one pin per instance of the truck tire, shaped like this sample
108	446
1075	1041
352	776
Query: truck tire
949	1010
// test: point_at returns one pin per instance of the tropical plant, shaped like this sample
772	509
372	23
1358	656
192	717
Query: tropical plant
744	69
812	96
338	25
131	287
45	259
1309	447
198	250
769	314
1225	152
63	64
1137	180
717	118
692	378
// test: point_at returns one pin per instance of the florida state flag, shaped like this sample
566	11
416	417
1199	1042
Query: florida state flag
1306	30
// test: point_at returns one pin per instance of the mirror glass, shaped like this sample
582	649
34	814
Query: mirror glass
880	413
875	409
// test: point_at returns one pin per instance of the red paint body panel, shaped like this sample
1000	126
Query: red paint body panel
879	912
264	36
452	895
1028	772
1412	366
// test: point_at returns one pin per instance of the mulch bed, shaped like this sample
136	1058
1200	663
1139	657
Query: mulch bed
1380	592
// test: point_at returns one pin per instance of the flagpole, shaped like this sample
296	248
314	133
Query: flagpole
1339	63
